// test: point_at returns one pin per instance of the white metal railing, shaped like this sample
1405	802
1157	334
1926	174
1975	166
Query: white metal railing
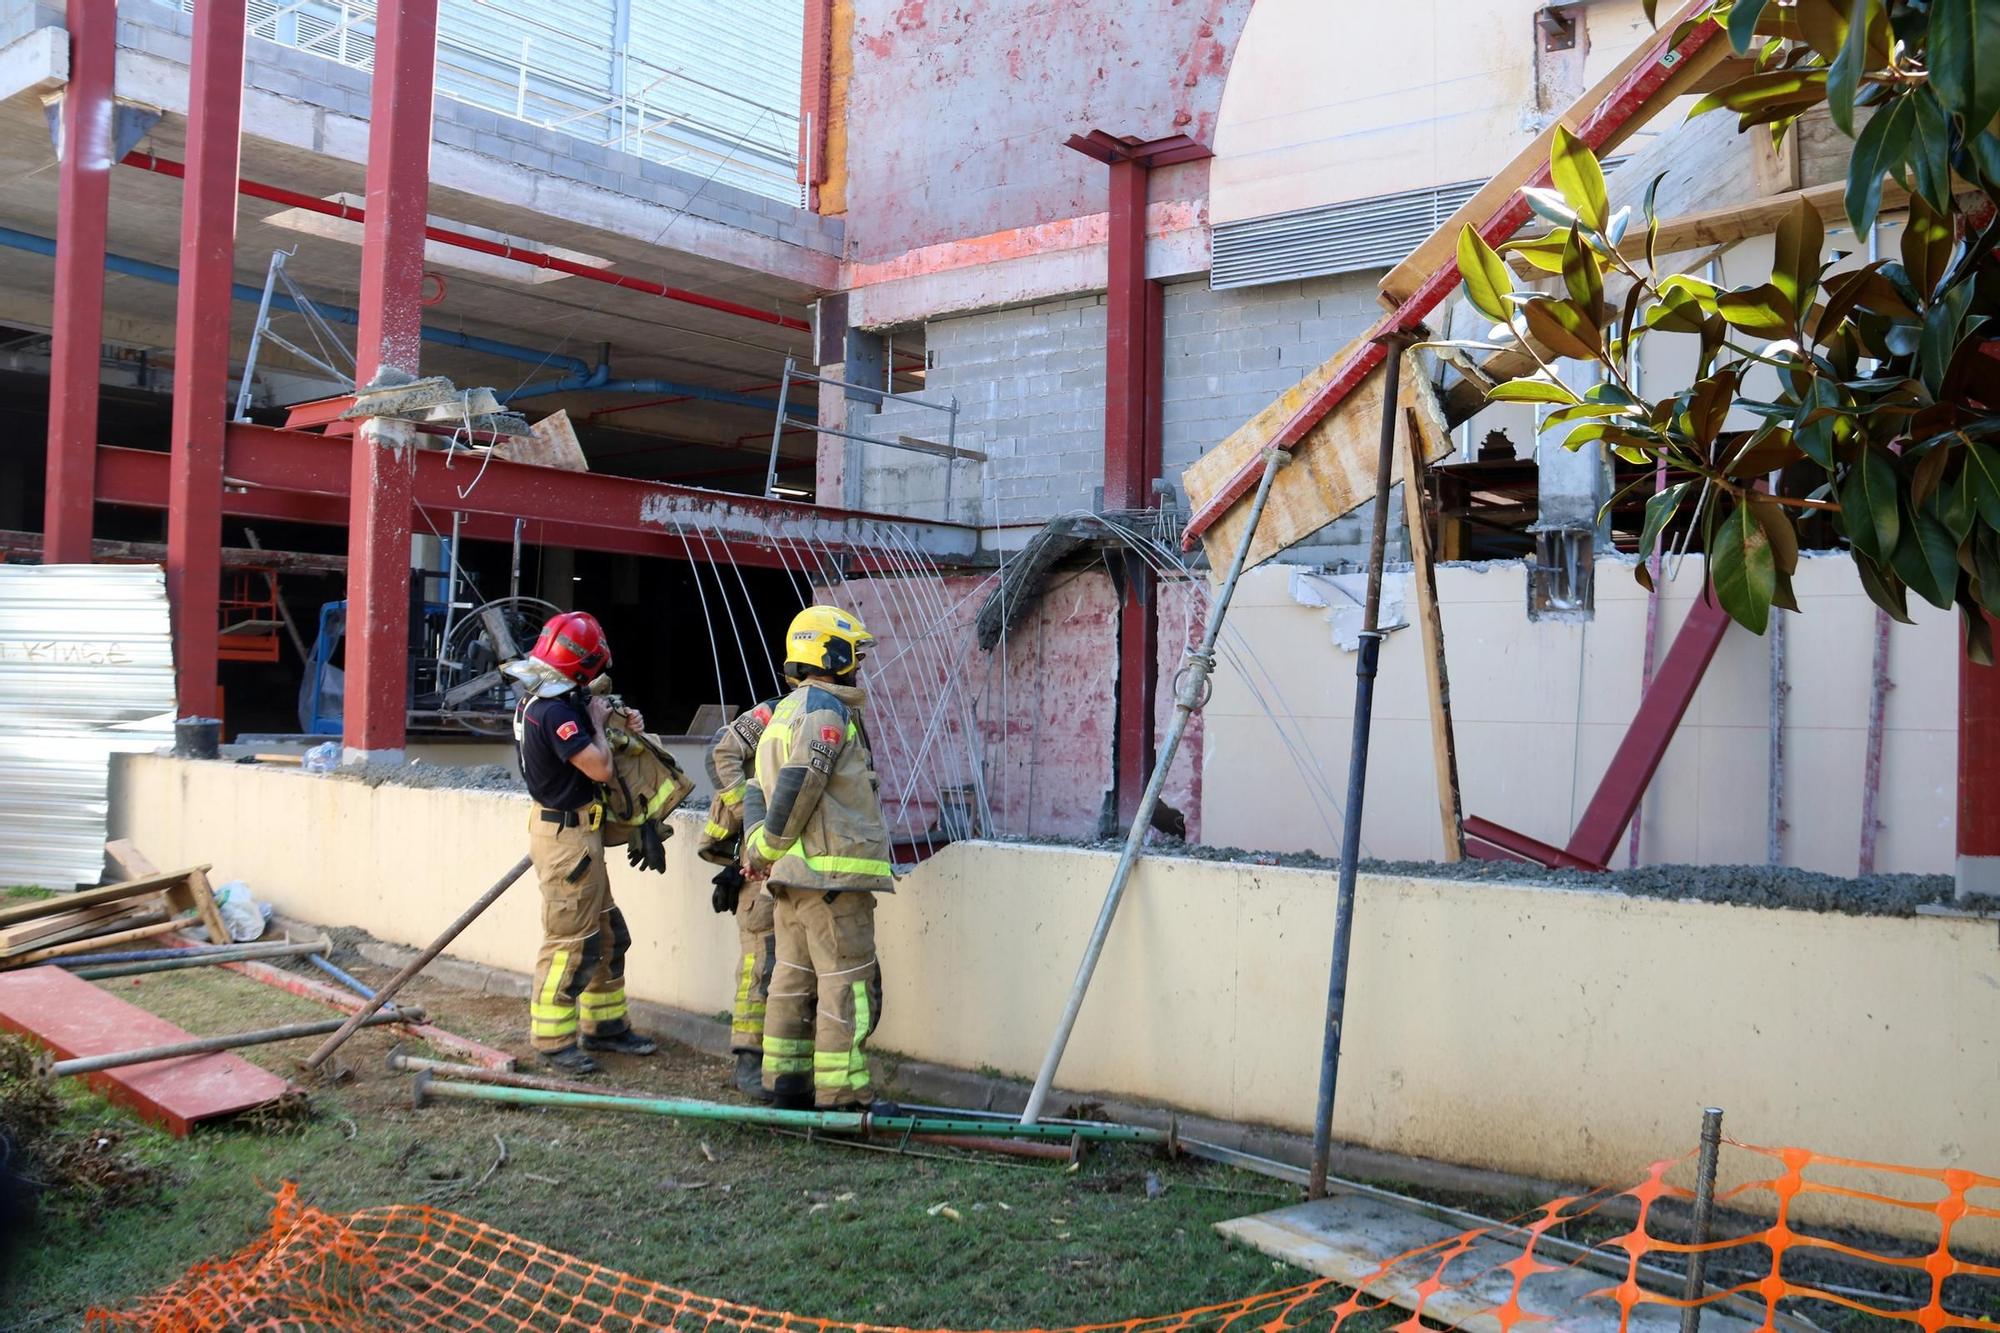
564	77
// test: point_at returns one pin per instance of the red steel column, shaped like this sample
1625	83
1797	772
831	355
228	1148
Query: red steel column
201	348
392	265
82	214
1978	779
1131	462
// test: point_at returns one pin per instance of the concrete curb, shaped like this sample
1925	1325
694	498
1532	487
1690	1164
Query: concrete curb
922	1081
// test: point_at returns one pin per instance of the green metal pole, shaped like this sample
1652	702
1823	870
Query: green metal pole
852	1122
247	954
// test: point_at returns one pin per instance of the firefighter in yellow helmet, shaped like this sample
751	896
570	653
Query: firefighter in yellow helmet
732	758
824	847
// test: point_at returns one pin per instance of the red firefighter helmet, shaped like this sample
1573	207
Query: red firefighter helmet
573	644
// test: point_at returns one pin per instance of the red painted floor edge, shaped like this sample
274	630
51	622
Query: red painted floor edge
73	1017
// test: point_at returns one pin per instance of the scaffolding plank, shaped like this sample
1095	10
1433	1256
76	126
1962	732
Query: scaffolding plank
1333	468
73	1017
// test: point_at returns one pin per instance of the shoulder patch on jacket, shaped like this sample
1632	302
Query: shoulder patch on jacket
566	730
817	699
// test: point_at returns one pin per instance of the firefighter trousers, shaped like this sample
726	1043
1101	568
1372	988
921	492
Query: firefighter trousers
757	956
825	996
580	972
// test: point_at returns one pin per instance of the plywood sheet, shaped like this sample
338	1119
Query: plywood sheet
1332	470
553	444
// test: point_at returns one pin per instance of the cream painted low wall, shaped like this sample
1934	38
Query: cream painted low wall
1564	1034
1539	708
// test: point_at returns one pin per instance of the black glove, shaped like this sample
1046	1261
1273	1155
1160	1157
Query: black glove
728	884
648	847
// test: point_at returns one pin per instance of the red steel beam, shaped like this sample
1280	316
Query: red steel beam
201	349
303	477
1661	707
1626	101
1132	385
389	340
277	194
82	215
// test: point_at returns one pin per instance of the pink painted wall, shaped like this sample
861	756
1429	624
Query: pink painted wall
958	111
1042	712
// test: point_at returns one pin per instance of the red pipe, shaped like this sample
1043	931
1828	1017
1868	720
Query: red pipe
534	258
1625	102
667	402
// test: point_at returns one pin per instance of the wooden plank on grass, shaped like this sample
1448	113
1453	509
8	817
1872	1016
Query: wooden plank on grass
131	888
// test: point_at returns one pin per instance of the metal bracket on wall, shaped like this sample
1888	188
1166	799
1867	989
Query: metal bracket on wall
947	450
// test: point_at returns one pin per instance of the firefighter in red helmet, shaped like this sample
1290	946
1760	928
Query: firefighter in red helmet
559	726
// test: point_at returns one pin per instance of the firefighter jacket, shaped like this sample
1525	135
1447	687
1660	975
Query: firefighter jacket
822	828
731	757
646	784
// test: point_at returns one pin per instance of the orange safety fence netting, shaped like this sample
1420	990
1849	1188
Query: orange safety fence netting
410	1266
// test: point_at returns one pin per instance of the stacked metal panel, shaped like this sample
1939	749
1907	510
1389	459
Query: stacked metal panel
86	672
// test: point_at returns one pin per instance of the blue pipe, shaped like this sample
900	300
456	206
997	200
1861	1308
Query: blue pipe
600	380
333	314
341	976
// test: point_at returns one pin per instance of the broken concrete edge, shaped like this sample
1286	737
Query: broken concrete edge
942	1085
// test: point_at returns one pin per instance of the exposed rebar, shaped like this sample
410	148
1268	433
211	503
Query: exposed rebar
1704	1212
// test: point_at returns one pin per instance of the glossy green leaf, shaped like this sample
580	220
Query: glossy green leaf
1660	510
1943	323
1955	503
1812	429
1562	328
1741	565
1930	148
1582	278
1763	311
1978	635
1776	521
1844	76
1983	151
1743	24
1927	246
1880	151
1883	588
1544	252
1488	283
1964	59
1574	169
1926	558
1708	406
1531	391
1795	271
1549	205
1767	95
1869	506
1982	476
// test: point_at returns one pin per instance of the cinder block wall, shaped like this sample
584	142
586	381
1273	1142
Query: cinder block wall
1030	385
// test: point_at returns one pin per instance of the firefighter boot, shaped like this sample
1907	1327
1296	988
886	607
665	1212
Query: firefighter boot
749	1076
569	1062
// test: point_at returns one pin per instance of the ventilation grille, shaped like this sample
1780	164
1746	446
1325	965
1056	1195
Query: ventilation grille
1335	238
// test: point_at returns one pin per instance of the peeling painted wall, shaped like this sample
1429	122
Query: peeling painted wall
953	115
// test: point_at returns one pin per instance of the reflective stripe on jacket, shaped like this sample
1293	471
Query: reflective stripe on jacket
732	755
822	827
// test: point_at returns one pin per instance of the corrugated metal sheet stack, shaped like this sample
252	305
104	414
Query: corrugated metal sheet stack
86	672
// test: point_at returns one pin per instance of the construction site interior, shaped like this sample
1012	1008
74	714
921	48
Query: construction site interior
1348	824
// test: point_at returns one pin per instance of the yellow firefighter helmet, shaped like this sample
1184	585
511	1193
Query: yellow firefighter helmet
825	638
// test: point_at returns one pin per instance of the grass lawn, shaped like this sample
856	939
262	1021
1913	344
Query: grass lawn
741	1214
